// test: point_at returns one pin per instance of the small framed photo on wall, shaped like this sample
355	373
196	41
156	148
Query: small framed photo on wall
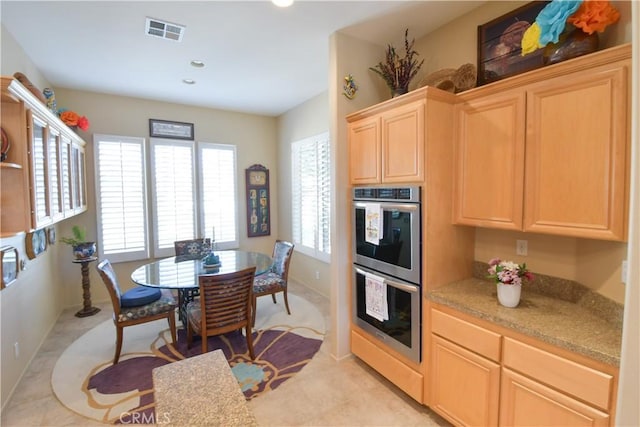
8	265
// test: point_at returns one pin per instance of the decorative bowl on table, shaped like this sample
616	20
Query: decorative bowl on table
211	261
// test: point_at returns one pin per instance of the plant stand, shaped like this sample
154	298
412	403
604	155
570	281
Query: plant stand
87	309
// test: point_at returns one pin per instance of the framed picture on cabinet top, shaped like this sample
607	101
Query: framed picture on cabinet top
499	44
171	130
36	243
258	201
8	265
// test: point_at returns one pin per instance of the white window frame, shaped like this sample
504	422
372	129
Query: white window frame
121	256
314	252
155	142
229	244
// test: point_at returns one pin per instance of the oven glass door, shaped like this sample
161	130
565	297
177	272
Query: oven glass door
398	252
402	331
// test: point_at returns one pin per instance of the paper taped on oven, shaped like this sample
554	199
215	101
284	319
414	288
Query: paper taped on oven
375	293
373	223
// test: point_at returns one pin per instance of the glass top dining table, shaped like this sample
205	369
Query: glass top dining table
180	272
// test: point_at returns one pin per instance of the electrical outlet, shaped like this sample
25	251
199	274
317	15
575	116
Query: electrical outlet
16	350
522	247
623	274
317	275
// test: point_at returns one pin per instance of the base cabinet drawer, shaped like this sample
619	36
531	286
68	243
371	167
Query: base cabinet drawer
587	384
525	402
408	380
464	385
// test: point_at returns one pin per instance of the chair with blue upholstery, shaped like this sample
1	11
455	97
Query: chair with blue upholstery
192	248
275	279
138	305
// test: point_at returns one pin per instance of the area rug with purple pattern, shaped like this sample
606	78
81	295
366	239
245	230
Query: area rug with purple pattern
85	380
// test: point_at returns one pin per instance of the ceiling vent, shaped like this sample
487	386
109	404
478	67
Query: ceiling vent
165	30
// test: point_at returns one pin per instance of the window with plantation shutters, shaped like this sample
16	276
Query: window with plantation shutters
181	207
121	198
173	194
218	194
310	196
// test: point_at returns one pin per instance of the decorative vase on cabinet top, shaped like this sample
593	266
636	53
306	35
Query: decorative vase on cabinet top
571	44
509	295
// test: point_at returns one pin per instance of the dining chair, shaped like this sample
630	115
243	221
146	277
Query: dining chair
275	279
194	248
136	306
224	306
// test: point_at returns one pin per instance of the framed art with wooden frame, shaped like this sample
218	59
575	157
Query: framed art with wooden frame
258	200
171	130
8	265
499	51
36	243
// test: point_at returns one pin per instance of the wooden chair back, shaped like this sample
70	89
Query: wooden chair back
192	247
282	251
226	301
110	279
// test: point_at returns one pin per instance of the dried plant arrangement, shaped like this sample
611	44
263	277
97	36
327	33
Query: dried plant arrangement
397	72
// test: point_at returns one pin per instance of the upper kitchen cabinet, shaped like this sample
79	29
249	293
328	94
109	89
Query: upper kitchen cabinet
548	151
43	177
387	140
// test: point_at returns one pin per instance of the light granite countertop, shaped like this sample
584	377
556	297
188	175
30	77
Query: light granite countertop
200	391
583	325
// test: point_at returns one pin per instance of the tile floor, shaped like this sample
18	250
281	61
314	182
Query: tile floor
324	393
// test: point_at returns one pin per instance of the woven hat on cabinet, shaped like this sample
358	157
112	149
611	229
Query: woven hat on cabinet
451	79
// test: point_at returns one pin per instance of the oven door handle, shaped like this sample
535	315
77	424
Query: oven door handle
408	207
407	288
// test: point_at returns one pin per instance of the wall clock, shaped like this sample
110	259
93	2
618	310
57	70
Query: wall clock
258	212
36	243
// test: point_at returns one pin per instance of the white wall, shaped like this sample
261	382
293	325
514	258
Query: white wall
305	120
30	306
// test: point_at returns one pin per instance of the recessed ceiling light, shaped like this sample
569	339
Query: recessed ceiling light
282	3
188	81
197	63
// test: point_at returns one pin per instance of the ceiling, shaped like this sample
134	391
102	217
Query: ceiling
258	58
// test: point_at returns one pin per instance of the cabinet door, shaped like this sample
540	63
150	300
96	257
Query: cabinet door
464	386
577	144
40	207
489	161
526	402
364	151
65	173
55	183
403	143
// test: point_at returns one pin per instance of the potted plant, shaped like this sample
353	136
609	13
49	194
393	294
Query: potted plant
81	248
397	72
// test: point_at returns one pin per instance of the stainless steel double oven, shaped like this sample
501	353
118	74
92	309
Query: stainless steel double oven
393	260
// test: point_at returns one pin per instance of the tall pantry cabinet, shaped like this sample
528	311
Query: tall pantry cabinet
408	140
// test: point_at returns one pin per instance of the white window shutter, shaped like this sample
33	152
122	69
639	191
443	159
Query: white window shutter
311	185
173	186
120	198
219	194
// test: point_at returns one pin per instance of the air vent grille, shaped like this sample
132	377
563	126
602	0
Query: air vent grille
165	30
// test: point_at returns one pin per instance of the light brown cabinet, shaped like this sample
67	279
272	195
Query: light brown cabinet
386	144
550	155
485	375
464	361
408	140
43	178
